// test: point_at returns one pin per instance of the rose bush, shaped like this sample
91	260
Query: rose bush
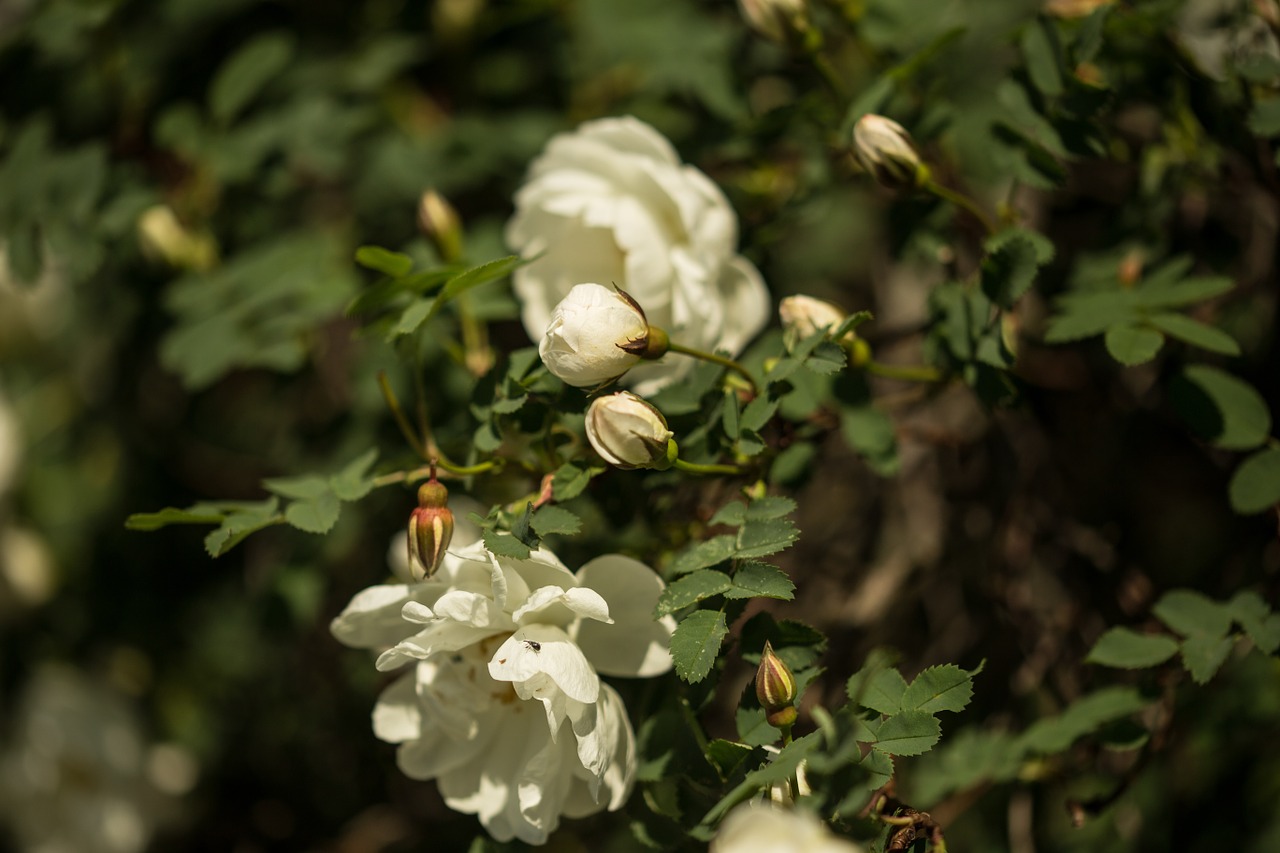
503	704
611	202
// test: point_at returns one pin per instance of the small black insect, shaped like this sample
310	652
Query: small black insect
537	647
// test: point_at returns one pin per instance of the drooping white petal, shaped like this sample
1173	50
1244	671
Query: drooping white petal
396	717
372	618
552	605
636	645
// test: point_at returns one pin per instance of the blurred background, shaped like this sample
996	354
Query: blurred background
183	184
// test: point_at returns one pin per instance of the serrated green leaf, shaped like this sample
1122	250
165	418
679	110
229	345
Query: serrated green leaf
880	766
1133	345
690	589
1164	293
730	413
733	514
1014	256
239	523
508	405
880	689
871	433
758	413
703	555
939	688
753	728
505	545
522	527
353	482
1255	486
550	520
727	756
1127	649
781	769
1085	715
315	514
772	506
298	488
908	733
1084	318
1220	408
1041	53
148	521
242	76
760	538
1257	620
384	261
571	480
696	643
1193	615
412	317
827	359
761	580
1204	655
1194	332
782	370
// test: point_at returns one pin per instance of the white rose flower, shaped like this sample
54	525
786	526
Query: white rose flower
503	704
595	335
767	828
627	432
611	202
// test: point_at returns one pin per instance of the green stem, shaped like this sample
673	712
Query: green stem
398	413
698	468
694	725
495	464
794	781
918	373
961	200
716	359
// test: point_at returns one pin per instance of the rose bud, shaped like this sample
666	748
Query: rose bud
776	20
596	334
440	224
629	433
883	147
165	239
776	689
803	315
430	529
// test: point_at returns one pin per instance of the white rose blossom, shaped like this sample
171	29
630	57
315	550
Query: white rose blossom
593	335
502	703
763	827
611	202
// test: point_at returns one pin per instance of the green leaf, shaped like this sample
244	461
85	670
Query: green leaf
759	538
1014	257
1220	408
554	519
247	72
773	506
1257	620
1255	486
300	488
522	528
703	555
880	690
571	480
1204	655
758	413
384	261
1086	317
880	767
1085	715
1131	345
1166	293
1040	50
939	688
1127	649
1192	614
412	317
871	433
733	514
761	580
827	359
147	521
729	417
727	756
908	733
353	482
696	643
316	514
1265	118
239	523
1194	332
783	767
690	589
506	545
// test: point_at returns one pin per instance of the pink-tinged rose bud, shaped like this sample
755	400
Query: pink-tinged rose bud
883	148
430	529
627	432
596	334
776	689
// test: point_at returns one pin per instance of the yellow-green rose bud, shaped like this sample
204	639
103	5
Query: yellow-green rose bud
430	529
776	689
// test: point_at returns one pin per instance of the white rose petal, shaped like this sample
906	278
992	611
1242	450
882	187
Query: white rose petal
584	342
768	828
611	202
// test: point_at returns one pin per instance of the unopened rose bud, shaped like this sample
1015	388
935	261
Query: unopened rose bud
883	147
430	529
440	224
627	432
802	316
163	238
776	20
776	689
596	334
